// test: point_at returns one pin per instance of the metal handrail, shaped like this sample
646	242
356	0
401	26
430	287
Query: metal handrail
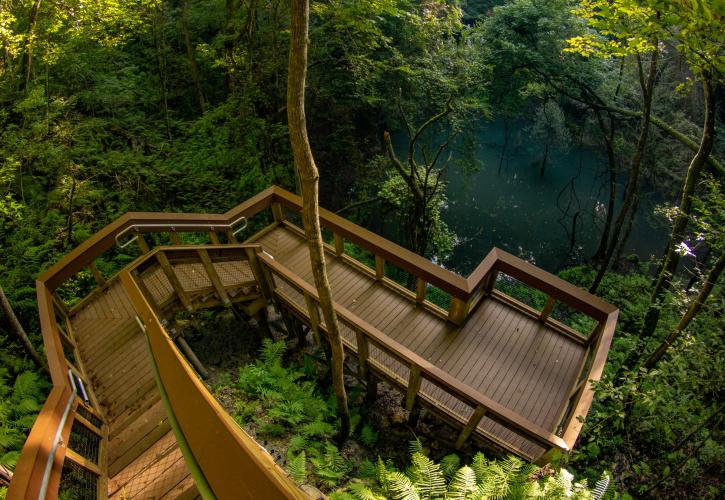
56	439
173	228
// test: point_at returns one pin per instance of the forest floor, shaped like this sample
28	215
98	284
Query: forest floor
224	344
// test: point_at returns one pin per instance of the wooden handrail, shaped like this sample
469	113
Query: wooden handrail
227	456
455	386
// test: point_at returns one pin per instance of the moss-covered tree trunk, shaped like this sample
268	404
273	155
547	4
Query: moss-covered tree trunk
309	179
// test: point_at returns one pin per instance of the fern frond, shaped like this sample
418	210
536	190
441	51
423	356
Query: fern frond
297	467
401	487
367	469
361	492
602	487
10	459
427	476
463	485
450	465
415	446
296	443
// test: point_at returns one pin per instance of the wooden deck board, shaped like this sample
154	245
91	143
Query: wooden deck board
499	351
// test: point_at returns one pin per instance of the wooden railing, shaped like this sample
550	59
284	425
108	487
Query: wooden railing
464	295
223	459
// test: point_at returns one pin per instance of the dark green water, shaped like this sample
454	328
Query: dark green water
531	216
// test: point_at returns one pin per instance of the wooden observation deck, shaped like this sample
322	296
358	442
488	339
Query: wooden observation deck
128	416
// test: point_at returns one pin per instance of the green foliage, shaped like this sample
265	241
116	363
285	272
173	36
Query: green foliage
297	467
367	435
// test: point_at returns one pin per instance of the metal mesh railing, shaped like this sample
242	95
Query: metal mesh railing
84	441
77	483
360	254
401	277
438	297
521	291
85	413
574	319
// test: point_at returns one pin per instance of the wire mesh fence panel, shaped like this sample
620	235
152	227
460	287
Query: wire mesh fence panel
85	413
574	319
388	363
360	254
77	483
84	441
438	297
445	399
505	435
401	277
348	334
328	236
293	217
520	291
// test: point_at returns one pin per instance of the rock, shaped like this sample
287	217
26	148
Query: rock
313	492
423	428
398	416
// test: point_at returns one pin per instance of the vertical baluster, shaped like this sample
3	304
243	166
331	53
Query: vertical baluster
231	238
420	290
100	280
470	426
174	280
414	381
548	307
277	212
261	275
339	245
490	282
213	237
362	353
175	238
141	241
379	267
213	276
458	311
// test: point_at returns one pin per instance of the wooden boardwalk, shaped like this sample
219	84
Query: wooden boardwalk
514	359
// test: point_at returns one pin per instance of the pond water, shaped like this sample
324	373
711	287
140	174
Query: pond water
507	203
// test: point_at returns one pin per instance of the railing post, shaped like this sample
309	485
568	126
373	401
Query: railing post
362	353
100	280
142	243
471	425
174	280
213	237
414	381
420	290
277	212
60	304
547	308
339	245
213	276
379	267
146	292
458	311
490	282
175	238
314	318
231	238
263	278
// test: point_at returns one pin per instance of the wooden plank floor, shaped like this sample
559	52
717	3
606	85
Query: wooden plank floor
504	354
144	460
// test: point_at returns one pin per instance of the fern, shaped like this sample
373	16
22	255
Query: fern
427	476
401	486
368	436
362	492
297	467
415	446
297	443
450	465
329	466
463	485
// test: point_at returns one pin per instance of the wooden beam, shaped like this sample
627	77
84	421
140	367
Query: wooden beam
100	280
471	425
213	276
458	311
174	280
146	292
414	382
214	238
83	462
277	212
141	241
231	238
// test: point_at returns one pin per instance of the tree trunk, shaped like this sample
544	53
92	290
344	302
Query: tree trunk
190	56
309	178
543	161
159	36
18	328
632	183
69	225
627	231
28	49
608	136
671	257
689	315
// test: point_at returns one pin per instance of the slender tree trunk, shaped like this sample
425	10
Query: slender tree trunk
504	148
634	171
608	136
159	35
28	46
309	178
69	226
627	231
190	56
20	331
544	160
671	257
689	315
